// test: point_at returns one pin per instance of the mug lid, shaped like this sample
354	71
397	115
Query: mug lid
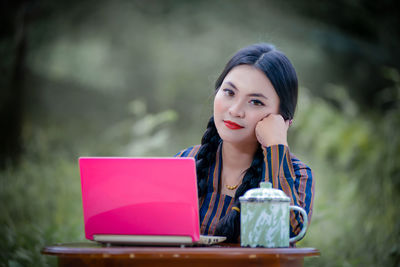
264	193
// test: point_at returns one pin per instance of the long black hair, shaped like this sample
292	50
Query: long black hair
282	75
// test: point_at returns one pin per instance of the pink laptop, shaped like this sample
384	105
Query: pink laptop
141	201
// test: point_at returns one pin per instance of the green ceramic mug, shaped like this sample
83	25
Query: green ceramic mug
264	218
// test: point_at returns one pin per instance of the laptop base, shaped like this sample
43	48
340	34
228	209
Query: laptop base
157	240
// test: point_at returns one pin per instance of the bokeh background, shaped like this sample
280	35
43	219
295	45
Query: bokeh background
135	78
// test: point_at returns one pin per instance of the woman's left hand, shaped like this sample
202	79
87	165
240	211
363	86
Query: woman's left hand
272	130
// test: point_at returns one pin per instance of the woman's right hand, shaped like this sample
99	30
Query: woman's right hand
272	130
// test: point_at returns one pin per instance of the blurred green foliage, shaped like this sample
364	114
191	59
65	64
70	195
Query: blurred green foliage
135	78
355	161
41	198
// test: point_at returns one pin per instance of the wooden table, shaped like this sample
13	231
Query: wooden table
94	254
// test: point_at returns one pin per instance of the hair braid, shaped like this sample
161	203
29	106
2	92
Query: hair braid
206	155
229	225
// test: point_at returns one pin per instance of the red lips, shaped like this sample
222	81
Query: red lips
233	126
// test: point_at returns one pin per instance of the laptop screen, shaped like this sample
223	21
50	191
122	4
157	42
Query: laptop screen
139	196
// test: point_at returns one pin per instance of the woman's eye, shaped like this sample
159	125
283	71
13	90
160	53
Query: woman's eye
228	92
257	102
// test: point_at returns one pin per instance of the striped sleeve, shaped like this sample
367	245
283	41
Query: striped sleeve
289	174
188	152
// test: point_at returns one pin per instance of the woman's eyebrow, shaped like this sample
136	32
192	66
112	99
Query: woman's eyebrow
258	95
231	84
253	94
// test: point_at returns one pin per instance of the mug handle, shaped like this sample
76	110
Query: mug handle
305	224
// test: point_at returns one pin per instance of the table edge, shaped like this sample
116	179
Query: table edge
170	252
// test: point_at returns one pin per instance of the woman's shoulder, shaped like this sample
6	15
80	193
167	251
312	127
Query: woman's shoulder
189	152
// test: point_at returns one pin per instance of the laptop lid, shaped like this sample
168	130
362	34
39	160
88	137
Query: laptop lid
139	197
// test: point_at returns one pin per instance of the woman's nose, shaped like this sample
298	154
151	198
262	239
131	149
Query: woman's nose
236	110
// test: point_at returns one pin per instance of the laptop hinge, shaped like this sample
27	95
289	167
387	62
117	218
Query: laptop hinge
143	239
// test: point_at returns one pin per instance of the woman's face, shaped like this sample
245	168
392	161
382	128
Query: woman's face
245	97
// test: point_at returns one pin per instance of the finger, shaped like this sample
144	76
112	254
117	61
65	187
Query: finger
287	123
266	116
277	115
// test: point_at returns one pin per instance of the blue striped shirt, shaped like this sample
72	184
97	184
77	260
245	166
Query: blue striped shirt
281	168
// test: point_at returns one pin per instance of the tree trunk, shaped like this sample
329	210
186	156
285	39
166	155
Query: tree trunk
11	109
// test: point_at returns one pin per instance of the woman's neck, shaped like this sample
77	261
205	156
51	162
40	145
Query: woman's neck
237	157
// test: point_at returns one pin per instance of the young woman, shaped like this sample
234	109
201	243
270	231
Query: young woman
246	141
